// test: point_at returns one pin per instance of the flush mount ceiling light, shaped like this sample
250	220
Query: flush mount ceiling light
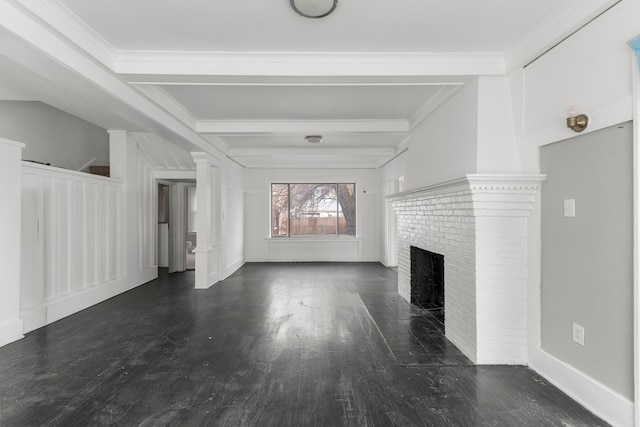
314	8
313	139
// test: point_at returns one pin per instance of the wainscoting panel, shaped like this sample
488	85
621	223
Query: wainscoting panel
71	238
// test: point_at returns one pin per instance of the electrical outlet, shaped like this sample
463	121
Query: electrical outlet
578	334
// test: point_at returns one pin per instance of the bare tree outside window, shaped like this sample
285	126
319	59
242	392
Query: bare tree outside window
279	210
313	210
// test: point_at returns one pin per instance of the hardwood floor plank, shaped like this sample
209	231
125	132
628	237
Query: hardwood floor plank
315	344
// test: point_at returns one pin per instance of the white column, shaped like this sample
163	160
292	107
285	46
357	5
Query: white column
10	210
206	253
120	162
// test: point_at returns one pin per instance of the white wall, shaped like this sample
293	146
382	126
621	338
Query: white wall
260	247
444	146
590	71
497	152
53	136
472	132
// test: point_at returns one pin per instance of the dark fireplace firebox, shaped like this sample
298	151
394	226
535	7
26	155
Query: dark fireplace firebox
427	279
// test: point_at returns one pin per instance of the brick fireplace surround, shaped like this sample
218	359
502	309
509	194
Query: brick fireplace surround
480	224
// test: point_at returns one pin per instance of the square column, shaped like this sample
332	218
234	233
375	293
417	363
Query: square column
11	324
206	251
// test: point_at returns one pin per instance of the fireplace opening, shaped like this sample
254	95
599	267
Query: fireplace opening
427	279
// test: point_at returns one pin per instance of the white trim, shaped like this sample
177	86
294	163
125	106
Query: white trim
47	312
309	64
598	398
617	111
61	172
476	182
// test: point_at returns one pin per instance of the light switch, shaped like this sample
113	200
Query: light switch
569	208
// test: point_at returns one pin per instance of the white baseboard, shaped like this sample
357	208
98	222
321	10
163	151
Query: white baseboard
11	331
233	267
53	310
596	397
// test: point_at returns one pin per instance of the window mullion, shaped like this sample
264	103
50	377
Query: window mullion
337	211
288	210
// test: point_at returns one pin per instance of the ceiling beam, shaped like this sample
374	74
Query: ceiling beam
295	64
222	127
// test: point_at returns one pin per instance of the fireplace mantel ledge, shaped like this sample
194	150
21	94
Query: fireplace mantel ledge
476	182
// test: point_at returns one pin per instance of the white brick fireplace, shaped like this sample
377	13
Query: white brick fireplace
479	224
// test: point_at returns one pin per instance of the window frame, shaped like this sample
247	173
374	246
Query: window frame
312	236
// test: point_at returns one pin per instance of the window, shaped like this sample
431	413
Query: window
299	210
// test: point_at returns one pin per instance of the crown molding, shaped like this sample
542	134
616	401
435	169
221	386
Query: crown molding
312	151
308	64
302	126
311	157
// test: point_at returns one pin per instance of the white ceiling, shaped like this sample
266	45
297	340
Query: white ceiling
355	26
249	79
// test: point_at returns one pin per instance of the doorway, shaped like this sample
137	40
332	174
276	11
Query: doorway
176	232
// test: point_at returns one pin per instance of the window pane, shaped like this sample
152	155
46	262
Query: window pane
279	210
347	209
313	209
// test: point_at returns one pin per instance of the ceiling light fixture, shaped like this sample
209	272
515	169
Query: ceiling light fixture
314	8
313	139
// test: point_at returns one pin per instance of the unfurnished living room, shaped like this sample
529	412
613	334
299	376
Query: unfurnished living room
319	213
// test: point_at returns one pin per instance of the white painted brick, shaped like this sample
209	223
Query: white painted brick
482	234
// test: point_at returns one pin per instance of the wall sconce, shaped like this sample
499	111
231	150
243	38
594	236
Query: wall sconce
577	122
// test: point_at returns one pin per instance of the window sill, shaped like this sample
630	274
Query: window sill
313	239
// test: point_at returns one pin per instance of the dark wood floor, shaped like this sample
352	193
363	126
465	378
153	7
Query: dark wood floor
273	345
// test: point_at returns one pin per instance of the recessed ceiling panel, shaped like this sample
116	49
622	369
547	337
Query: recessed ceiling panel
301	102
355	26
328	140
